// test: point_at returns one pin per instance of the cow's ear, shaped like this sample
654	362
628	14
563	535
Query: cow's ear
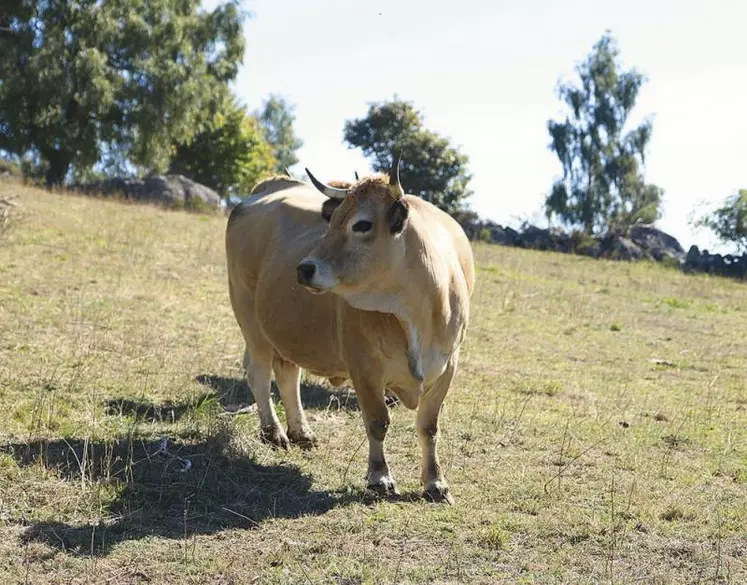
396	216
328	208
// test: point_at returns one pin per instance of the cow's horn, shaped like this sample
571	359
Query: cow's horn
331	192
394	184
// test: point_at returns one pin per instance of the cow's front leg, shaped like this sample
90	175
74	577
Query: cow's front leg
429	409
288	378
258	375
376	418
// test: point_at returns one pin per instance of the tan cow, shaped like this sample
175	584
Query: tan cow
398	274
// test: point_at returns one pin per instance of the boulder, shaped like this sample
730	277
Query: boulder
180	190
693	255
714	264
167	189
591	248
617	247
504	236
544	239
737	267
656	243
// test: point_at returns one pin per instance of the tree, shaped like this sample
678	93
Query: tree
230	155
127	75
603	184
276	118
431	167
729	222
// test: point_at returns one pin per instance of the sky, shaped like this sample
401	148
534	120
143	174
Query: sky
484	74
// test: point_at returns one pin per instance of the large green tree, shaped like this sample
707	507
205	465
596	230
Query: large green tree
130	76
729	221
431	167
277	117
603	184
230	154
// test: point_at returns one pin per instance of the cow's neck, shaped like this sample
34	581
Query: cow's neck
424	300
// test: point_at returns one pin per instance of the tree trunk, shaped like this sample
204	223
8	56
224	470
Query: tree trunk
59	164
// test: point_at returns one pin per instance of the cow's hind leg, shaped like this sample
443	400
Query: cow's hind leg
288	378
429	409
258	364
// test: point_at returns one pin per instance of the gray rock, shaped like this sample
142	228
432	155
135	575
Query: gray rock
592	249
504	236
656	243
179	189
544	239
617	247
166	189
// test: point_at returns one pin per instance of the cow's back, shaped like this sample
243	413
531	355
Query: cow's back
458	239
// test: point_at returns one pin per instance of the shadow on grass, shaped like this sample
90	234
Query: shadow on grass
168	412
314	396
235	392
151	495
228	392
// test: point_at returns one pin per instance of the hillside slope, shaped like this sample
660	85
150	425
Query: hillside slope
597	431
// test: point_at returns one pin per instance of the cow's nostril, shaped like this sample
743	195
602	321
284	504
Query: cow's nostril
306	272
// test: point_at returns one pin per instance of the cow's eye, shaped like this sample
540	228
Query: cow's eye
362	226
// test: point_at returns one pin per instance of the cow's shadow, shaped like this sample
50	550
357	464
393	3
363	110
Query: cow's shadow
314	396
156	495
230	393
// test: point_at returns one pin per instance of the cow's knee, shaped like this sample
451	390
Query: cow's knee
378	427
429	429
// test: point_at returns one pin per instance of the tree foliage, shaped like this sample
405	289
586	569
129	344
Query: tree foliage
431	167
128	75
230	154
603	184
729	222
276	118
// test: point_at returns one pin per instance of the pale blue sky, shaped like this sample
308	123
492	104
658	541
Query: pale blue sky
484	74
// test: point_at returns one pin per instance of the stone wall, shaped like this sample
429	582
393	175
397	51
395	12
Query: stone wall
639	242
728	265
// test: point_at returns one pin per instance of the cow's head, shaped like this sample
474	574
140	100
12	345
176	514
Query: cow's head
362	246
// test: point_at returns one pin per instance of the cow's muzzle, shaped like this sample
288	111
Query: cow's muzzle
306	272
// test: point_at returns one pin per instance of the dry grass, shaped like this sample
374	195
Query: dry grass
6	211
597	431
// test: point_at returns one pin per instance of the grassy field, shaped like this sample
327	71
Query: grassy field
596	433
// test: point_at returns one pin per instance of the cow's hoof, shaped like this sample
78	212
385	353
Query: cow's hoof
438	492
383	486
304	439
274	436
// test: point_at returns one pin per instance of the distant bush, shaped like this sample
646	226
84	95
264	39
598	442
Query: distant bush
484	235
729	222
582	243
11	168
197	205
230	155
